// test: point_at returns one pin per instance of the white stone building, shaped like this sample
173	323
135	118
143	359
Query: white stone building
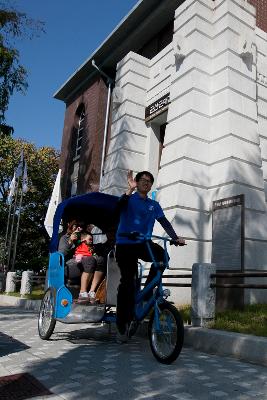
195	115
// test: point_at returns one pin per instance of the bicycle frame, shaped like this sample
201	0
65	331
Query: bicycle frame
157	297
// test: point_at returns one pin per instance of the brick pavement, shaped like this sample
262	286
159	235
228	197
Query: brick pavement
83	361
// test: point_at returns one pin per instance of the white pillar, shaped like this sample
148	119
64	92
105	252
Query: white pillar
26	283
10	282
202	295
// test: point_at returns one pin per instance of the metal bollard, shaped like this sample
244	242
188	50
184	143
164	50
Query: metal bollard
203	297
11	282
26	282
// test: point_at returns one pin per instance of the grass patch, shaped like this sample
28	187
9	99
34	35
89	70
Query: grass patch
37	294
251	320
185	311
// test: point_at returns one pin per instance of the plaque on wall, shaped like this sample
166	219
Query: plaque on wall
228	233
157	107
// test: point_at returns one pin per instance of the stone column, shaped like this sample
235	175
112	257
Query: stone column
10	282
202	296
126	149
26	283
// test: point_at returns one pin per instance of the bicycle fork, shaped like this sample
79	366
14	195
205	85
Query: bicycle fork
157	313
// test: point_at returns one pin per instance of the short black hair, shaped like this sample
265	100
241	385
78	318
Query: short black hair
140	174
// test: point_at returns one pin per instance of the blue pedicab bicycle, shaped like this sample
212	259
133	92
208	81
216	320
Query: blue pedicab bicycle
165	326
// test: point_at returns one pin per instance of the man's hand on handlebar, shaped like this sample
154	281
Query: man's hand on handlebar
179	242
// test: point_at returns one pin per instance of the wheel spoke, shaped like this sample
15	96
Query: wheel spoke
166	335
164	338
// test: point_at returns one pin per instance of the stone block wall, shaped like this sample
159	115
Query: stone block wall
128	131
215	140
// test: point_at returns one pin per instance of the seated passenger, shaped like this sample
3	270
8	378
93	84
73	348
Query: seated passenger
84	246
65	246
85	264
101	251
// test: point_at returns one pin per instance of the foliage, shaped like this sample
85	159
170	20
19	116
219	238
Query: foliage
185	311
42	163
13	76
251	320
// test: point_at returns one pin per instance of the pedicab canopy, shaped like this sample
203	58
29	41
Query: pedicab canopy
94	208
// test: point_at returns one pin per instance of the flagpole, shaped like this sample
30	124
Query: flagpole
12	225
8	221
7	230
16	234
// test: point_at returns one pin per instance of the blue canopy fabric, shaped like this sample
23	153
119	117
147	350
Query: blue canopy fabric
94	208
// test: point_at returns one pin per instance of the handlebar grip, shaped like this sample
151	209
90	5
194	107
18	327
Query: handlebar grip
130	235
174	243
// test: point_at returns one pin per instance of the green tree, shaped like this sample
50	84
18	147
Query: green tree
42	163
13	76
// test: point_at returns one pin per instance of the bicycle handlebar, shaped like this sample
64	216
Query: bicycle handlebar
138	235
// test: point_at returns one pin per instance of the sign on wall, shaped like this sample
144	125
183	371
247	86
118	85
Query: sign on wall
228	233
157	107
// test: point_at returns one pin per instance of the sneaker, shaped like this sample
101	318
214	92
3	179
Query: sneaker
91	296
132	328
121	337
83	297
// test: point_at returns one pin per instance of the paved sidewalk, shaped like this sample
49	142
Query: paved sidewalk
84	362
245	347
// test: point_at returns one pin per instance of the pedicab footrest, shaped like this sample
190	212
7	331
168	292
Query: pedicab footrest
84	313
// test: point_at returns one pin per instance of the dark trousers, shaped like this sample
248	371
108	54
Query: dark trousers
74	269
127	256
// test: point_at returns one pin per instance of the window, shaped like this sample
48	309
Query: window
162	130
80	132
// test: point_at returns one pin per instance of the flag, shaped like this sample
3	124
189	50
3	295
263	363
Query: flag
20	166
12	188
54	202
25	179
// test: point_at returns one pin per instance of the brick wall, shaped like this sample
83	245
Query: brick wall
261	7
94	99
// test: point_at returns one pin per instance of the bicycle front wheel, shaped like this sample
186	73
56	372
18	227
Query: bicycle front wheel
166	339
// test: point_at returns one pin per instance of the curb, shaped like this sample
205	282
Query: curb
247	348
244	347
26	304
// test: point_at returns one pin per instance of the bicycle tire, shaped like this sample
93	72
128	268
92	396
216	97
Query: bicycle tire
46	321
166	343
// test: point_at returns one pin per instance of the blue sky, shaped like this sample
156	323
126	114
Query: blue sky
74	29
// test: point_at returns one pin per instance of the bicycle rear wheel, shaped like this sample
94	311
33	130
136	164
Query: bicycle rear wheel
46	321
166	341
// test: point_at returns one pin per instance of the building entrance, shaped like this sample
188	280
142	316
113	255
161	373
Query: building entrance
156	142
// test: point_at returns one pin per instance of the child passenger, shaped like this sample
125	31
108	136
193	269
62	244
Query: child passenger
85	247
83	253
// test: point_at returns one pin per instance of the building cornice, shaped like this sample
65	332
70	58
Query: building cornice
130	34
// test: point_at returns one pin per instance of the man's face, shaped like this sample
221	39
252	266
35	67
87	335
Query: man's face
144	184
